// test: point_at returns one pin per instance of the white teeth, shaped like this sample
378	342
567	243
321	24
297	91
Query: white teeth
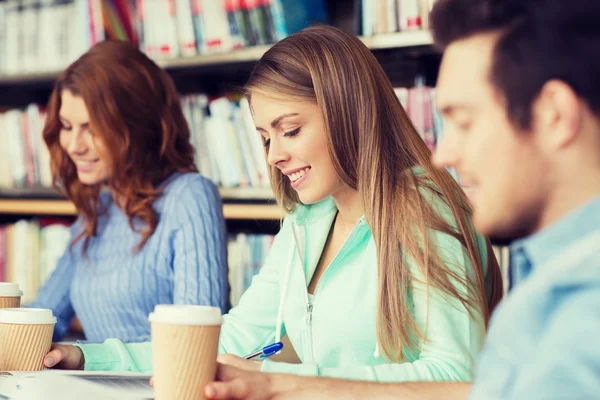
297	175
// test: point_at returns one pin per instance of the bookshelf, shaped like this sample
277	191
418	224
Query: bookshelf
45	201
66	208
242	204
397	40
249	211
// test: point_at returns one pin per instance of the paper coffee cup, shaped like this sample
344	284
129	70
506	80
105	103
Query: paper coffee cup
10	295
185	340
25	338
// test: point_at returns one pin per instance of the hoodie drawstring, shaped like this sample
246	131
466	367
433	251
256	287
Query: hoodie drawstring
376	354
282	295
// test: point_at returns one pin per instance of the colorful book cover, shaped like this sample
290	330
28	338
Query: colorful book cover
186	38
233	9
198	25
279	24
301	14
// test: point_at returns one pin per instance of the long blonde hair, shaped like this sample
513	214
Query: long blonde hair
374	148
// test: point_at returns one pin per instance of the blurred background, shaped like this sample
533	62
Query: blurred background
208	47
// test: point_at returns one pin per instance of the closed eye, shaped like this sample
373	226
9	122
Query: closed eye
292	133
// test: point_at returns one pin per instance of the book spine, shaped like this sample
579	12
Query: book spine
185	28
218	37
232	8
368	17
411	16
271	34
3	43
279	23
13	37
198	25
2	253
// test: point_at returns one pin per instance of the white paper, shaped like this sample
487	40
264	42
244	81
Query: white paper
89	385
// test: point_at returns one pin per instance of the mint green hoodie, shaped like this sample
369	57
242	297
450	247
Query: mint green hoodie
334	333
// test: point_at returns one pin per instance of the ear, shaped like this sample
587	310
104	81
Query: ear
557	115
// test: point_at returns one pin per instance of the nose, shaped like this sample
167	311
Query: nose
446	153
276	153
76	143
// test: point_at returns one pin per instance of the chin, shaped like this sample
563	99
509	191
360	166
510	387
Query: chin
89	180
502	231
311	198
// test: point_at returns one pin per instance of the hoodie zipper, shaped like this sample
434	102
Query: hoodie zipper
310	305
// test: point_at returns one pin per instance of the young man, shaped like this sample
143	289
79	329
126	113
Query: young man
519	86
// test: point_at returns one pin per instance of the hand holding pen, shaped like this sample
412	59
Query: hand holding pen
253	361
266	351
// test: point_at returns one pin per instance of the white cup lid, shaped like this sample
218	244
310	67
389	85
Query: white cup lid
10	290
178	314
29	316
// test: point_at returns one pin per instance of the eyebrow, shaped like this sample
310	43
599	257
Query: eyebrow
84	125
277	120
452	108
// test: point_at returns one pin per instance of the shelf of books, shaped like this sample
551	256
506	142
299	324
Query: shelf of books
39	38
248	54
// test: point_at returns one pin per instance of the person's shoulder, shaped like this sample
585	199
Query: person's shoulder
189	185
188	193
577	266
577	296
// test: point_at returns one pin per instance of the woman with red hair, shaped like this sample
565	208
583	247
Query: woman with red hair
150	229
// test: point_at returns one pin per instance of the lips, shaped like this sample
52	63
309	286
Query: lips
85	165
470	190
294	176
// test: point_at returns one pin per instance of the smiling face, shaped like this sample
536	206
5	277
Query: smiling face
503	168
296	141
83	148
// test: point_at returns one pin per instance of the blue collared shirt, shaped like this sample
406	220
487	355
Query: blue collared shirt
544	338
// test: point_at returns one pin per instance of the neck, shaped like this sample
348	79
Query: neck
579	189
349	205
118	199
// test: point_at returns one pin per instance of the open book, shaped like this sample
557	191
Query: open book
88	385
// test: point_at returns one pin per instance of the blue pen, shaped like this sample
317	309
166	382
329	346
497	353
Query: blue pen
266	351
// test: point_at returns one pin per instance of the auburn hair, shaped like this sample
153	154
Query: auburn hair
134	111
366	126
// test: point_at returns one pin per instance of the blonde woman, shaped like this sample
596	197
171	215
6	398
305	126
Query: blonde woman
376	273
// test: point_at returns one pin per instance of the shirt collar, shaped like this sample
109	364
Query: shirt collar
544	245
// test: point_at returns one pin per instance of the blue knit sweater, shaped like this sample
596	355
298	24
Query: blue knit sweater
113	289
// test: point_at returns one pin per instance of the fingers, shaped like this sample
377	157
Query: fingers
64	357
152	381
53	357
229	359
228	372
234	389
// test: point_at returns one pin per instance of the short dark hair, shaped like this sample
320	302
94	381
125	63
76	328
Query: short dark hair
539	40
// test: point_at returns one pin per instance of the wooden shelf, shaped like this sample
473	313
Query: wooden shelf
249	54
247	193
46	193
398	40
66	208
36	207
252	211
